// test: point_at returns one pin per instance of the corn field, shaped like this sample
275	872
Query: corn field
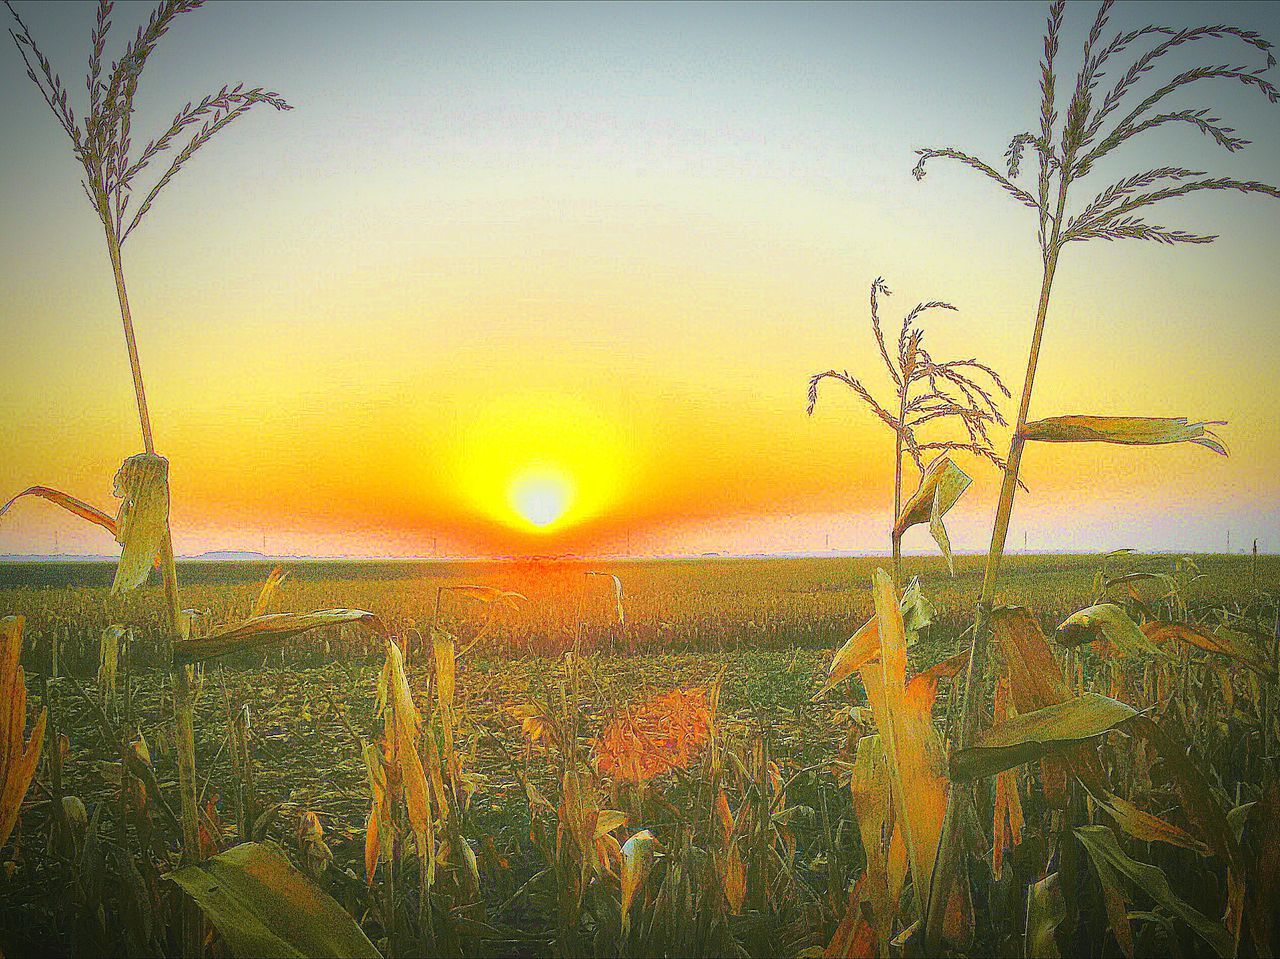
880	756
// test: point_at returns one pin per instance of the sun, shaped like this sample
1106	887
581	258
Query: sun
541	495
540	462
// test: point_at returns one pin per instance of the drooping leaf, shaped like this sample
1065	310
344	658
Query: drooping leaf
488	594
1117	905
869	789
1125	430
267	630
617	594
1106	621
1046	910
941	486
1142	825
70	504
1101	845
262	906
1028	736
18	761
142	525
1222	641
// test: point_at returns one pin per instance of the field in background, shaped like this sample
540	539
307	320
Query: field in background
771	626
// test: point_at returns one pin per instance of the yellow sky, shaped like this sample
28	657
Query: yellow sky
361	322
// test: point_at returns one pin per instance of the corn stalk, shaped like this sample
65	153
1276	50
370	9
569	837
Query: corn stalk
1067	153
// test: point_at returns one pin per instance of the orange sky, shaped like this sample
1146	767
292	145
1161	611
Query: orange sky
597	249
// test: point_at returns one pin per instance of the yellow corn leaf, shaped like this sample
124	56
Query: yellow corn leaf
379	813
1126	430
1106	621
1008	819
1117	905
446	666
1143	825
269	590
733	877
142	486
913	747
864	645
489	594
1046	909
869	790
262	906
724	816
854	938
1102	847
638	854
941	486
1222	641
17	761
267	630
1028	736
70	504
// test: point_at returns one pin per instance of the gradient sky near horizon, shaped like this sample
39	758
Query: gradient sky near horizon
600	249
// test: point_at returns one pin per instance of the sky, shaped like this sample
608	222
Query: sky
533	278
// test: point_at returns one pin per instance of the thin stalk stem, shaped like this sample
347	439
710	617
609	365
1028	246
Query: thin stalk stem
183	699
975	688
894	535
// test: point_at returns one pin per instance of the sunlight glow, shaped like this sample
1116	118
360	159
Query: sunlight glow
540	462
541	496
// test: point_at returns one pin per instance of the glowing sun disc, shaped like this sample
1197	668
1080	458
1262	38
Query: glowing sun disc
540	496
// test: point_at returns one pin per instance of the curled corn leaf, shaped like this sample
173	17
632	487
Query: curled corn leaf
262	906
269	590
638	854
1125	430
267	630
864	645
1028	736
1221	641
941	486
142	525
18	761
1102	847
1106	621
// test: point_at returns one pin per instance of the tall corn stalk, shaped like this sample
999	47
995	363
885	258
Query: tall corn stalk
926	391
1092	130
103	145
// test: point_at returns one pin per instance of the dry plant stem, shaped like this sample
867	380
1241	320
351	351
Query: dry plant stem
975	687
183	705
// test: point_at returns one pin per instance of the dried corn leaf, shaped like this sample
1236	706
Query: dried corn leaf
262	906
1142	825
142	525
1101	845
70	504
913	748
269	590
1106	621
617	594
638	855
1222	641
864	645
1007	821
1028	736
18	761
941	486
267	630
488	594
1126	430
446	666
